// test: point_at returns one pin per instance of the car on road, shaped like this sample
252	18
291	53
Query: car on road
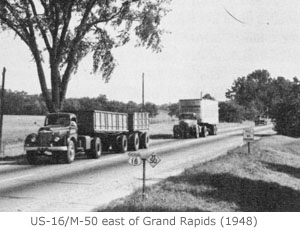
259	120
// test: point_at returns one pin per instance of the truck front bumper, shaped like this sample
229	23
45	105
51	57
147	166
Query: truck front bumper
43	149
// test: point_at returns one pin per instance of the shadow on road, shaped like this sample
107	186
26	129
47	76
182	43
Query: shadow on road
265	135
43	160
161	136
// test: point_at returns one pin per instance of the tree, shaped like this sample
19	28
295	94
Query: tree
285	106
252	92
230	111
67	30
174	109
209	97
151	108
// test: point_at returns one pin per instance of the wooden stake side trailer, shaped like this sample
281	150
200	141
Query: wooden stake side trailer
119	131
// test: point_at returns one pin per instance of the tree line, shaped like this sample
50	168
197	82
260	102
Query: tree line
21	103
258	94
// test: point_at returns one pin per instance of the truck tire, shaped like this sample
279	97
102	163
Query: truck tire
134	141
69	155
196	132
96	148
204	131
144	144
215	130
176	132
122	144
31	157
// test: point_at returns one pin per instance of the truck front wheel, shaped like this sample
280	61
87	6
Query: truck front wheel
144	141
69	155
96	149
31	157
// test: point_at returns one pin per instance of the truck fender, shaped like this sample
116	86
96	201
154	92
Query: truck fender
85	142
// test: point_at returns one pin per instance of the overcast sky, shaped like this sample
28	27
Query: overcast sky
212	42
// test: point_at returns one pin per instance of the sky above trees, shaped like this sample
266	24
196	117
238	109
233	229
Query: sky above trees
211	43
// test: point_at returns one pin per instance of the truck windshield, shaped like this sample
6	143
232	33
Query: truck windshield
187	116
58	119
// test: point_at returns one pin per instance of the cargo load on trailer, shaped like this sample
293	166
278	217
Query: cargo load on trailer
197	117
89	132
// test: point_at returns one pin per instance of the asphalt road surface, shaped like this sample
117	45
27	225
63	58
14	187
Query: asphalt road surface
87	183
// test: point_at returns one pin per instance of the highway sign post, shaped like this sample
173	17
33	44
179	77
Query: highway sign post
136	159
248	136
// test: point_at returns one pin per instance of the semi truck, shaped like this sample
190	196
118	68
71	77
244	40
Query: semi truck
197	117
91	132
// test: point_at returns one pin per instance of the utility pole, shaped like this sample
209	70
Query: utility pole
143	93
2	106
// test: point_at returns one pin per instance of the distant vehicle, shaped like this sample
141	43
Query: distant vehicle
91	132
198	117
259	120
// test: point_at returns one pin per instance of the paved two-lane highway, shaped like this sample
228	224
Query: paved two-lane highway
86	183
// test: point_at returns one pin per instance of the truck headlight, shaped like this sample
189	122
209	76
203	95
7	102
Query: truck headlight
33	139
56	139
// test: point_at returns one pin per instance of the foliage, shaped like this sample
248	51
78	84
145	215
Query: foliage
69	30
209	97
259	94
252	92
20	103
230	111
285	107
151	109
174	109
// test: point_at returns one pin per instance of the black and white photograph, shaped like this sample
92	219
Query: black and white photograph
150	106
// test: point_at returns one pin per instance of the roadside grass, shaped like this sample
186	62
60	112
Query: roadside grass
268	179
16	128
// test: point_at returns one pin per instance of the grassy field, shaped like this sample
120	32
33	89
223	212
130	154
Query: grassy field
268	179
16	128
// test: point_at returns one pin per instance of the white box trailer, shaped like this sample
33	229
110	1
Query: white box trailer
198	117
207	111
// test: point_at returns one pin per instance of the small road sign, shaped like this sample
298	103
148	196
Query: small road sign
153	160
248	135
135	160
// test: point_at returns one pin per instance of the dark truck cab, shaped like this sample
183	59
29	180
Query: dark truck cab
65	134
56	138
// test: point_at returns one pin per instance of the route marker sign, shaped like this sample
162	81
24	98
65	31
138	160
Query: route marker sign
248	134
153	160
135	160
